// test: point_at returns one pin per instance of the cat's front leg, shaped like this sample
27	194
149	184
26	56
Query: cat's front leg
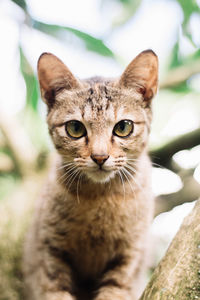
120	282
58	296
52	290
114	293
55	277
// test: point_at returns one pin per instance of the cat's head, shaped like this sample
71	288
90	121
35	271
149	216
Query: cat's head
99	126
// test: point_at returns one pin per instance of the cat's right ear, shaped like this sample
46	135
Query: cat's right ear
54	76
142	74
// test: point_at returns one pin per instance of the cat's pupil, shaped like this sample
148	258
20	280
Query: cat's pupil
122	125
76	126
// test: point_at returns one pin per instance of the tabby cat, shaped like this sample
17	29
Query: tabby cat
88	237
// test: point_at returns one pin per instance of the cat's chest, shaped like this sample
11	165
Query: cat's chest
98	235
95	223
94	233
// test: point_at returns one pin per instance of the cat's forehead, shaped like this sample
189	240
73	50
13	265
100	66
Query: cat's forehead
98	102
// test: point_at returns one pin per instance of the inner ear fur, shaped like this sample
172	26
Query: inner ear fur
54	76
142	74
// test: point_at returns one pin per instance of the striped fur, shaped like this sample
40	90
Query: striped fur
89	233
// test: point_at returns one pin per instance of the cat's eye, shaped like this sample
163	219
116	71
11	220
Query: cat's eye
123	128
75	129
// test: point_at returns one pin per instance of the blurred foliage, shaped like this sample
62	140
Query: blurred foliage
32	91
21	3
60	32
189	8
91	43
127	10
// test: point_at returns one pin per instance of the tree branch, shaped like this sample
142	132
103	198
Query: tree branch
180	74
6	163
177	276
23	152
189	192
163	155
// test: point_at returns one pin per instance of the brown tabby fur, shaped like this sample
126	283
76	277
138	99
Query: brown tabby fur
88	238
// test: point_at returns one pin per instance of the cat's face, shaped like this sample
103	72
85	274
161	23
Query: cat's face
99	127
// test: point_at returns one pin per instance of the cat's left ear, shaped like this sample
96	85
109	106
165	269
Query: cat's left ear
142	74
54	76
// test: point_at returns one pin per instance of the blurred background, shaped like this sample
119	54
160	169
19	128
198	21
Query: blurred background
96	37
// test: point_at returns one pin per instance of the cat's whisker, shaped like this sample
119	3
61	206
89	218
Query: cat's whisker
157	165
133	159
131	167
132	163
110	184
131	176
72	178
65	165
68	167
65	175
122	181
77	191
138	160
70	175
70	156
126	172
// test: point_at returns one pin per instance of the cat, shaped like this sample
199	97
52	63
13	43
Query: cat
89	233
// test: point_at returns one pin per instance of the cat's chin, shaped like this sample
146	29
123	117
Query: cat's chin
100	176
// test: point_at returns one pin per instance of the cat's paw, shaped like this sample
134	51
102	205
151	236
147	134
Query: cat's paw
59	296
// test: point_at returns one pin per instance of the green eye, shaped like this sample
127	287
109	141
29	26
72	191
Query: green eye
75	129
123	128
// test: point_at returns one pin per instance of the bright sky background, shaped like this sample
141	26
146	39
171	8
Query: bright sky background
155	26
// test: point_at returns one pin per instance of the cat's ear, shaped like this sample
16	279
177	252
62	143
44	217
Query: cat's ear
54	76
142	74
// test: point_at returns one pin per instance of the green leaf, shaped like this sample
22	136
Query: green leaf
196	55
189	7
183	88
32	93
91	43
175	57
21	3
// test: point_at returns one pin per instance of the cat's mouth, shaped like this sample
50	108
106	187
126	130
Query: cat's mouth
100	175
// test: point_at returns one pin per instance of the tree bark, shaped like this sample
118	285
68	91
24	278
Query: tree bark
177	277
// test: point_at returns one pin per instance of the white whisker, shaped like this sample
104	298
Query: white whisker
124	171
77	191
122	181
65	175
72	178
133	177
133	159
157	165
65	165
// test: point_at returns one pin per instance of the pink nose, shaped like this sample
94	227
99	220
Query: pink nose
99	159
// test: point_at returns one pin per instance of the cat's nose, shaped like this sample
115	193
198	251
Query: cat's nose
99	159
